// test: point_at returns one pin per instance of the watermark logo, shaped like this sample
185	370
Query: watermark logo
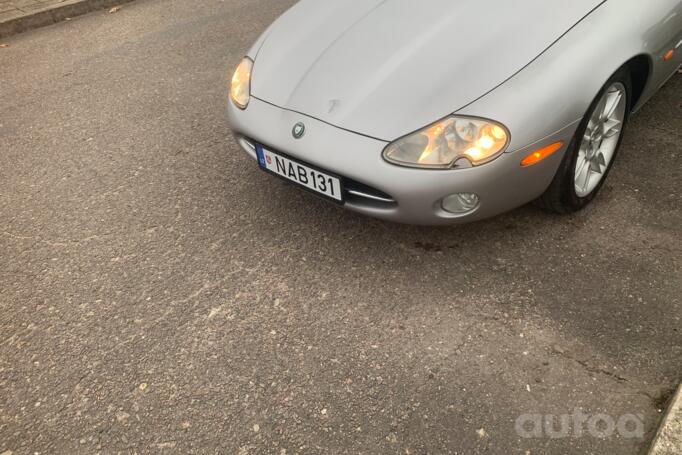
578	425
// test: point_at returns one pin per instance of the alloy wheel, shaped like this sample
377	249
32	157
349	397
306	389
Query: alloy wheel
601	139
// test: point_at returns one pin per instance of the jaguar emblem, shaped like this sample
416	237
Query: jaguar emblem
298	131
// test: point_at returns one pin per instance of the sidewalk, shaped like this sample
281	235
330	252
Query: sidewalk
17	16
669	438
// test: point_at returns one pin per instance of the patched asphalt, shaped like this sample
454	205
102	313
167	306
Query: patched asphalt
160	294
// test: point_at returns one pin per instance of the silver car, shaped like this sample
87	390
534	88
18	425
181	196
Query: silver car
447	111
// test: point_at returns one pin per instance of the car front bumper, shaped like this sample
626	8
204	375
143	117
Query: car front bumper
386	191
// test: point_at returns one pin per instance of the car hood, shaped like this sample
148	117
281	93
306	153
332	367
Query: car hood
385	68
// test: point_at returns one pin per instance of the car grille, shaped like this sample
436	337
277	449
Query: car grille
360	194
356	193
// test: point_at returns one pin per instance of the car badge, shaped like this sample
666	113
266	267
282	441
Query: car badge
298	131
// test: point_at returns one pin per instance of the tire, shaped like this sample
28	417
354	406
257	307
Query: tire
566	193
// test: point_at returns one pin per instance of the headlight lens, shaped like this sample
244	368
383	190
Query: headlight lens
443	144
240	89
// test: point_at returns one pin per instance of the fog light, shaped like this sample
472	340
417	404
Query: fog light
460	203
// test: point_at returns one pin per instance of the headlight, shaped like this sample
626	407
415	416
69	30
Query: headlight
443	144
240	90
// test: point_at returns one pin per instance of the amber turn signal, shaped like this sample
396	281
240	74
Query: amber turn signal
669	55
541	154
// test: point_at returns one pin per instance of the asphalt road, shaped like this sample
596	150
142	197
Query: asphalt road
159	293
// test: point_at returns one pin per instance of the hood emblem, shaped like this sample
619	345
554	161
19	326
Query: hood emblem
298	131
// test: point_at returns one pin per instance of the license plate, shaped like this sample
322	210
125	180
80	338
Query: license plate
314	180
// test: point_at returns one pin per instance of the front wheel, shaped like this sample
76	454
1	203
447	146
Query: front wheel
593	150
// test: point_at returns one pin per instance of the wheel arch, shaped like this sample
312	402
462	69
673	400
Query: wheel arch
640	68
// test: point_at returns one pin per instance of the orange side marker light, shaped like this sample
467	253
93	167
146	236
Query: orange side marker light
541	154
669	55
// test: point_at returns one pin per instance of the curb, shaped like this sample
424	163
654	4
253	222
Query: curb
668	440
53	14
